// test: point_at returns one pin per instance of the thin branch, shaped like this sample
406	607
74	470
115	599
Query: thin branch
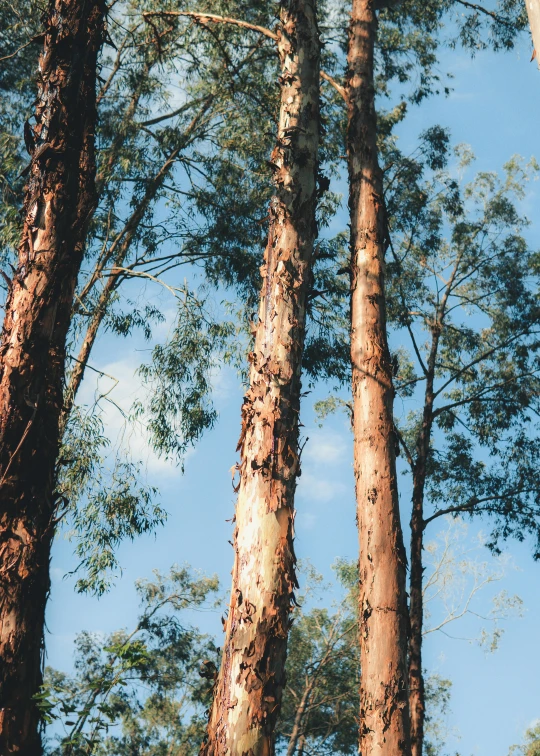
480	358
475	502
18	50
204	18
492	14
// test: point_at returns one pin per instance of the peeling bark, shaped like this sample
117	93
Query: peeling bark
59	200
384	715
250	683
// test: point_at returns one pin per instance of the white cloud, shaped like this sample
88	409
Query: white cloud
305	520
326	447
115	393
316	488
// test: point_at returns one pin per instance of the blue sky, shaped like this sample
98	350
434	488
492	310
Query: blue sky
495	107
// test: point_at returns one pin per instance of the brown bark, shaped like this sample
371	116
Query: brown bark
59	200
384	715
417	701
250	683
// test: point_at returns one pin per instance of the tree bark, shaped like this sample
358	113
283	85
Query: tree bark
417	700
59	201
384	714
533	11
251	679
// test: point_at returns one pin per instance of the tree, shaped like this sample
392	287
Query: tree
474	447
250	682
58	203
320	703
384	714
531	746
143	691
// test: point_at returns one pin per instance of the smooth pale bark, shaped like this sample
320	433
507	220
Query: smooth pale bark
59	200
533	11
384	714
249	687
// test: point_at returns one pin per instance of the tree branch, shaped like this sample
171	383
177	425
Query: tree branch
485	11
204	18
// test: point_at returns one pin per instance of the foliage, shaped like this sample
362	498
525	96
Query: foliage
179	377
105	502
320	706
457	582
437	693
463	277
139	691
531	744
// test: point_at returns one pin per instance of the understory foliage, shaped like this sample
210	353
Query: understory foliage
140	690
146	690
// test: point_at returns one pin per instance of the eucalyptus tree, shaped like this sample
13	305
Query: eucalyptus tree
59	199
463	287
251	678
384	699
41	306
384	713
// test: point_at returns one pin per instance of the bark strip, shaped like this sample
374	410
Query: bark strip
59	201
250	683
384	715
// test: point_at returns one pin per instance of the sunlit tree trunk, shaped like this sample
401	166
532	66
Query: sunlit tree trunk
533	11
59	200
384	713
250	683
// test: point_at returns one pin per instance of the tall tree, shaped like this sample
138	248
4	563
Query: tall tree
59	201
384	713
466	303
250	683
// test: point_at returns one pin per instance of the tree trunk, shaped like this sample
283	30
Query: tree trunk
250	683
533	10
59	200
417	703
384	714
296	733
